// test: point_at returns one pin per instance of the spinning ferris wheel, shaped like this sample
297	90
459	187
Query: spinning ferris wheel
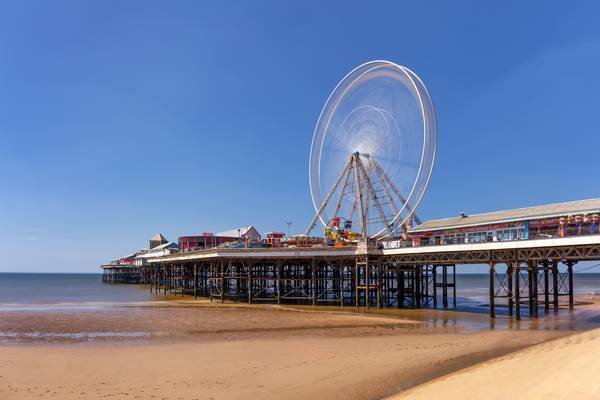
373	150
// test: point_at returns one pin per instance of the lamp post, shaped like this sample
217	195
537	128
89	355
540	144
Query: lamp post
239	234
289	224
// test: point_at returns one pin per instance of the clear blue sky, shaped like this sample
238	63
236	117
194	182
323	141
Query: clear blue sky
119	119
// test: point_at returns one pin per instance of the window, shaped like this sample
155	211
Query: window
456	238
510	234
477	237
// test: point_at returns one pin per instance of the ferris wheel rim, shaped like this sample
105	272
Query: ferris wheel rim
416	90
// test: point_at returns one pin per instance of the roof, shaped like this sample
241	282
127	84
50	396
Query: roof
519	214
164	246
158	238
158	250
234	232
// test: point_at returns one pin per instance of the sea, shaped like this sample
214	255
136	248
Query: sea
39	291
52	291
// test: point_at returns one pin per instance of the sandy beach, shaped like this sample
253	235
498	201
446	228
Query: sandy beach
565	368
208	351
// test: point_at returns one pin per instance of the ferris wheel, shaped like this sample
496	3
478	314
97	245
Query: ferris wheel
373	150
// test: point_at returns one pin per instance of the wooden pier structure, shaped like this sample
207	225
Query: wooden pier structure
524	275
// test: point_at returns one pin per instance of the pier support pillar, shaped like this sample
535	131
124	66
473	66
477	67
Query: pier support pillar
222	281
445	286
278	280
434	278
517	275
492	292
250	266
400	299
509	286
532	286
534	299
182	278
570	273
378	281
546	288
195	281
555	285
367	281
417	286
341	276
454	285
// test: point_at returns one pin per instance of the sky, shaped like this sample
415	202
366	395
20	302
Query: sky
119	119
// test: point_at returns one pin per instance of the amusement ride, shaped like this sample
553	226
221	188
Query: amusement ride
372	154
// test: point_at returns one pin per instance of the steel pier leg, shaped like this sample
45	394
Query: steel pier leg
530	288
555	285
195	281
535	289
313	266
434	271
509	283
546	288
401	289
356	283
570	272
454	286
492	311
517	274
445	285
417	292
250	265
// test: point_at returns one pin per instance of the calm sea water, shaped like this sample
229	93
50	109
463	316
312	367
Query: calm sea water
33	291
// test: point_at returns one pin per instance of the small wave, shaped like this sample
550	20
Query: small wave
72	335
86	305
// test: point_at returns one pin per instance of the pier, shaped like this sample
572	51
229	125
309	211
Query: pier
112	273
526	277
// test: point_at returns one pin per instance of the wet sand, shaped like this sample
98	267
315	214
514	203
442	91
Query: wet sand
209	351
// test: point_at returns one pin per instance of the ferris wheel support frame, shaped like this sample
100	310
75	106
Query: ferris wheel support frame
386	178
355	167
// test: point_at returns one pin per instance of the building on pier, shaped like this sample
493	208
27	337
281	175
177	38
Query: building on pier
573	218
127	269
160	250
209	240
246	233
